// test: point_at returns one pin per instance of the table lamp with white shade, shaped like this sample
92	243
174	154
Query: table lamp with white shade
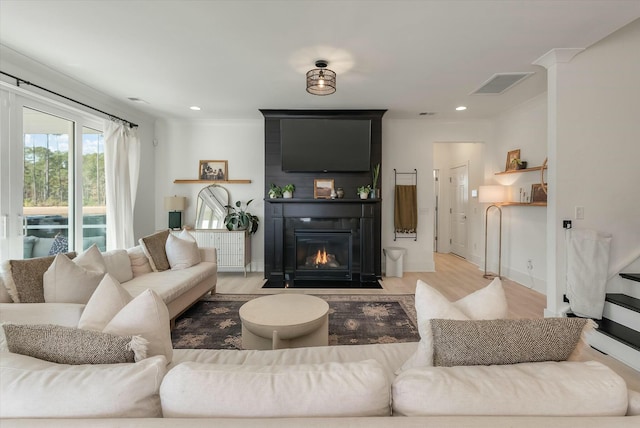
175	205
493	195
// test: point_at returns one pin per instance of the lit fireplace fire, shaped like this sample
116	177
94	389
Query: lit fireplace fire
322	259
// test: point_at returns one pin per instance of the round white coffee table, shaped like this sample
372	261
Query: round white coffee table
284	321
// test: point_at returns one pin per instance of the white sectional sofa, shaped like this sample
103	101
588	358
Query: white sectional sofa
356	386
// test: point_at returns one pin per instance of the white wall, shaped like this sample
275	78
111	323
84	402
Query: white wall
598	148
180	147
524	227
409	144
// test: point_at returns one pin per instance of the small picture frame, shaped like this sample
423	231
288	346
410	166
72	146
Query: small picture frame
511	165
537	193
322	188
213	170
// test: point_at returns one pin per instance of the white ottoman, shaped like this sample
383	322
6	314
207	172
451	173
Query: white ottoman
284	321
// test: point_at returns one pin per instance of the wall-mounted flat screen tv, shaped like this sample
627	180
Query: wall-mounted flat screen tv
331	145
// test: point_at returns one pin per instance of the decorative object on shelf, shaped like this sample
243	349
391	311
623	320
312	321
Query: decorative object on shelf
538	193
322	188
275	191
175	205
375	192
543	168
364	191
511	156
213	170
241	219
339	193
287	191
321	80
493	195
519	164
211	208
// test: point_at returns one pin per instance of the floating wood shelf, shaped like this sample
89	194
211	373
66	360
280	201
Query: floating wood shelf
517	171
213	181
523	204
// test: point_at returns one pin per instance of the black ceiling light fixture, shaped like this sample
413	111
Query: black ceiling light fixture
321	80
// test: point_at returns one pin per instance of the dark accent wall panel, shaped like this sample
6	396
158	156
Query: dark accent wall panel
349	181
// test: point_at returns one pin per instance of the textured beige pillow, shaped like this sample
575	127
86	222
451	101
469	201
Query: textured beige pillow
32	388
154	248
108	299
66	345
182	251
23	279
146	315
74	281
505	341
487	303
139	261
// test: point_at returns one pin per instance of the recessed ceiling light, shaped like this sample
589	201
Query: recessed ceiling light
195	108
461	108
137	100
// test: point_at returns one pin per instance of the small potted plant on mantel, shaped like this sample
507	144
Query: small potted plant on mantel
275	191
287	191
364	191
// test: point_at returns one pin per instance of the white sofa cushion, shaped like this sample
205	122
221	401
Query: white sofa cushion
74	281
108	299
139	262
118	264
31	388
182	250
487	303
545	389
147	316
329	389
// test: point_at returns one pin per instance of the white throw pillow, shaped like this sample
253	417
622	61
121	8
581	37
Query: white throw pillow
118	265
182	251
139	261
74	281
32	388
487	303
147	316
201	390
108	299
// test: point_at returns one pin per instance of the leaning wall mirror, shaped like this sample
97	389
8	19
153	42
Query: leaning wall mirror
210	210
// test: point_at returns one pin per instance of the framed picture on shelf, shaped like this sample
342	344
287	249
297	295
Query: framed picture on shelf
322	188
537	193
511	156
213	170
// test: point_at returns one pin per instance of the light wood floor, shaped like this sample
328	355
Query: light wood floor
454	278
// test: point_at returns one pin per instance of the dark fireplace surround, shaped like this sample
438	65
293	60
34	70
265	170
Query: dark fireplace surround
349	229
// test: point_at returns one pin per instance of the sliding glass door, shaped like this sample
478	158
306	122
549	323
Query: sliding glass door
52	179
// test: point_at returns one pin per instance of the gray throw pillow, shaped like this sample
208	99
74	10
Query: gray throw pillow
66	345
154	249
24	278
505	341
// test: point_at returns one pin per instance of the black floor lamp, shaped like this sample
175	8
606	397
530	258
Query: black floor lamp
493	195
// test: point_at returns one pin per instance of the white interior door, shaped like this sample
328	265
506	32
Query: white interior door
458	212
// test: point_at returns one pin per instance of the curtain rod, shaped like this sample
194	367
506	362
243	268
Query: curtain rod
111	116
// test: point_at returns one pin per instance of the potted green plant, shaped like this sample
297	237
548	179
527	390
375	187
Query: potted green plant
287	190
375	192
275	191
241	219
518	164
364	191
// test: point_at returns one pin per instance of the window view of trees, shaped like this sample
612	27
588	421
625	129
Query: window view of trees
46	171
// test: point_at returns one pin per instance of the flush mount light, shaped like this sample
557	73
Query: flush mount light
195	108
321	80
461	108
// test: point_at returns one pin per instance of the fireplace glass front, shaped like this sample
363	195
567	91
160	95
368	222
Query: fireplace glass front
324	255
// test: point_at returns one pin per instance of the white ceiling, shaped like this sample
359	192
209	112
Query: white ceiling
232	58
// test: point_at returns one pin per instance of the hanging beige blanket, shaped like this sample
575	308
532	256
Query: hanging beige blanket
405	219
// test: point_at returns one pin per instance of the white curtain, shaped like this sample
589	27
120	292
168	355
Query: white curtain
122	167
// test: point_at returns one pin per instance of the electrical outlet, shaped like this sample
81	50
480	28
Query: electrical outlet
529	264
579	213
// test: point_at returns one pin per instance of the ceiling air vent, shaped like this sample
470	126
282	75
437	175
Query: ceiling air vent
500	82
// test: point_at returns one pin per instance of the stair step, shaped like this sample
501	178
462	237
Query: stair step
625	301
631	276
626	335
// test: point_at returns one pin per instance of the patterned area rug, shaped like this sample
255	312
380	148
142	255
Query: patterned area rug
214	323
